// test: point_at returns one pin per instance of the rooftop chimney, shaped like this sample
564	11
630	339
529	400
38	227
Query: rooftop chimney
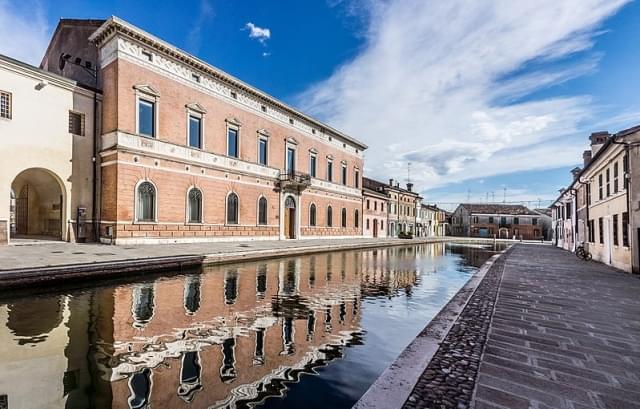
391	182
597	140
586	157
575	172
409	186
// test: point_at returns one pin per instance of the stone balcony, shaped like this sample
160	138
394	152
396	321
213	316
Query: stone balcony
297	181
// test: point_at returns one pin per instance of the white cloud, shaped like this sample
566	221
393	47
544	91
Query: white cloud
258	33
438	85
24	31
194	37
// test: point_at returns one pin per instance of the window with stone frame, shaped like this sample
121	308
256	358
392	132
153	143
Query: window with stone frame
615	230
262	211
76	123
232	209
344	217
615	177
5	105
146	195
195	205
312	215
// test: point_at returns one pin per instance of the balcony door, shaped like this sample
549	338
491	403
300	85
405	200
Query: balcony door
291	161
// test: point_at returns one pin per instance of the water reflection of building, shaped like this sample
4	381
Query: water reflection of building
232	334
226	337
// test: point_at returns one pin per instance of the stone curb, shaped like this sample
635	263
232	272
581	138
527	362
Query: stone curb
49	275
394	386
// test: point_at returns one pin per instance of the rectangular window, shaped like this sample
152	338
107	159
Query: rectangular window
600	231
356	179
291	160
615	229
232	143
608	182
312	165
76	123
262	151
195	132
615	177
146	118
344	175
368	204
625	229
375	205
568	211
590	227
330	170
503	221
600	186
516	220
490	219
589	194
475	219
534	221
5	105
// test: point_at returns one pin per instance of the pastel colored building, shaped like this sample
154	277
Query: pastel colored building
188	153
46	174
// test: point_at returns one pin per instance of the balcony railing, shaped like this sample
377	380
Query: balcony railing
294	180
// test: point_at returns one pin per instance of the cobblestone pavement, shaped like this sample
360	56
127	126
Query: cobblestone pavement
564	334
448	380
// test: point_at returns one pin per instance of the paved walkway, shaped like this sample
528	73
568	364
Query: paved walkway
564	334
47	254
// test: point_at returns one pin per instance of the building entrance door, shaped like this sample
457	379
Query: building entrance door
289	218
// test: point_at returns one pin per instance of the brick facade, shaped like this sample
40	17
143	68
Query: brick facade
173	167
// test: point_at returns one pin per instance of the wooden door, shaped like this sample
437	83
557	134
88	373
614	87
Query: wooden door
287	222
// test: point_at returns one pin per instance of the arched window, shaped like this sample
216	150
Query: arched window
312	215
262	211
143	305
343	217
329	216
146	202
195	206
356	219
232	208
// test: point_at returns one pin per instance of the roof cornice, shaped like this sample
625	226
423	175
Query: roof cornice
115	25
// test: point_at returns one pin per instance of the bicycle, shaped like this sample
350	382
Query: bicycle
582	253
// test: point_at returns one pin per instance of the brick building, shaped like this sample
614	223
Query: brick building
189	153
500	220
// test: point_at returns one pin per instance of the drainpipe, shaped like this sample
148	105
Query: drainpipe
94	210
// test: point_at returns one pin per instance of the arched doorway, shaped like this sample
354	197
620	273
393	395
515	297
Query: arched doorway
375	228
290	218
503	233
38	206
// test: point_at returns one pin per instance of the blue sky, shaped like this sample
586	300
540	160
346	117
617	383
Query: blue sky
478	97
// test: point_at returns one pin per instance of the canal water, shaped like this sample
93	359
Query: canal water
301	332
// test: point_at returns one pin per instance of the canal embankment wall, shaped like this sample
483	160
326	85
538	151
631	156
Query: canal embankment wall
59	262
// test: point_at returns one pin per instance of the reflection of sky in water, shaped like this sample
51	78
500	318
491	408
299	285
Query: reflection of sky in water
232	335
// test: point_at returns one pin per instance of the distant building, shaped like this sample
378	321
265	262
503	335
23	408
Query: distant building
503	221
375	207
545	222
